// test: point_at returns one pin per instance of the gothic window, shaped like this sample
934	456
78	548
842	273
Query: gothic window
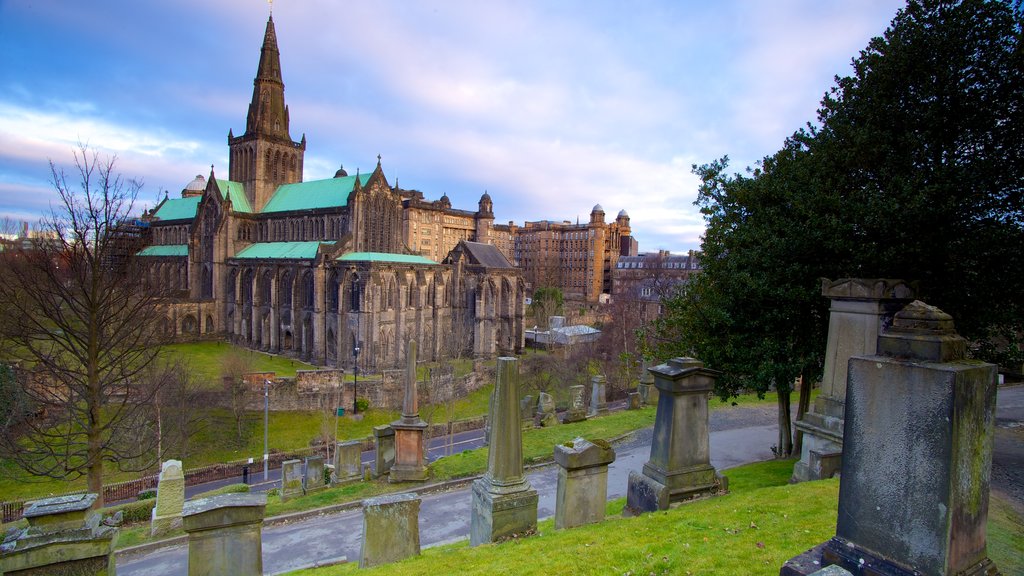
209	324
189	325
267	165
207	285
307	290
332	292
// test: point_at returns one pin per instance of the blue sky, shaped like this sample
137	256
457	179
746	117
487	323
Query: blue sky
551	106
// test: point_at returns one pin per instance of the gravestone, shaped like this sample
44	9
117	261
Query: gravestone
680	464
577	405
291	479
391	529
504	504
648	393
225	534
528	407
384	442
860	309
582	492
917	455
546	410
63	537
314	477
633	401
598	397
170	497
348	465
410	464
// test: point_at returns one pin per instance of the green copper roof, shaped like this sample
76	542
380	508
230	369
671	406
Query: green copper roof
385	257
236	192
281	250
329	193
166	250
179	208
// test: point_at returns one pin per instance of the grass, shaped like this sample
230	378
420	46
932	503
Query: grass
205	360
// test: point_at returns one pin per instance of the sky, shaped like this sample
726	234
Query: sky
550	106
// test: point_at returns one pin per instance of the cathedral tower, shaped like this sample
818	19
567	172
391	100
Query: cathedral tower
265	157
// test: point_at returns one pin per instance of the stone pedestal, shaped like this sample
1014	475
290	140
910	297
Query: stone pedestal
861	309
648	393
577	405
598	397
917	454
504	503
63	537
410	464
292	479
224	535
314	476
582	493
348	465
170	497
680	464
384	441
391	529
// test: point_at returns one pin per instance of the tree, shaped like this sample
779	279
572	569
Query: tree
174	417
915	170
86	327
547	302
234	366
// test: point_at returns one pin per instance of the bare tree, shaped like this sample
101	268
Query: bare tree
174	418
234	366
73	308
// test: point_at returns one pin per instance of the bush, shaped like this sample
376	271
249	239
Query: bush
362	404
229	489
134	512
147	494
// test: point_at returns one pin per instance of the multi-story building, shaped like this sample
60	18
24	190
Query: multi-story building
650	277
577	258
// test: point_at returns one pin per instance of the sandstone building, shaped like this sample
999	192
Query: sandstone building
333	271
647	278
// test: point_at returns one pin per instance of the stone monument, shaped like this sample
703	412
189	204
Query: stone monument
410	465
546	410
861	308
313	480
384	457
648	393
917	456
170	497
63	537
577	411
348	465
225	534
582	493
598	397
391	529
680	465
504	504
291	479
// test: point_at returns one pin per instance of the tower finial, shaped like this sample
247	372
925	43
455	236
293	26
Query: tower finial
271	4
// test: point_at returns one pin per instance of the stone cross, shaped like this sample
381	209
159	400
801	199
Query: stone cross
680	465
504	503
917	455
225	534
391	529
577	406
64	536
170	497
582	492
410	465
861	308
598	397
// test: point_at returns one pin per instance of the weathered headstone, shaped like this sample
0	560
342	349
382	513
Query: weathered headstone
527	407
861	308
63	537
577	405
546	410
348	461
410	464
598	396
170	497
504	504
291	479
582	492
225	534
314	477
384	442
680	464
648	393
633	401
917	455
391	529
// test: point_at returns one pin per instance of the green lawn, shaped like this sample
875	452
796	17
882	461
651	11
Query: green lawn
205	360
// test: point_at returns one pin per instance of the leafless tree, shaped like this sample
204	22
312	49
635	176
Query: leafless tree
175	418
234	366
73	309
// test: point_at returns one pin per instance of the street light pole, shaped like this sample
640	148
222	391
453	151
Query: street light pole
266	429
357	306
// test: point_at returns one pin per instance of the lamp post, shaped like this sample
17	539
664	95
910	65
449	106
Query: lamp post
356	305
266	429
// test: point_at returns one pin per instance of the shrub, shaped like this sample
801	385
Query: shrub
147	494
134	512
362	404
229	489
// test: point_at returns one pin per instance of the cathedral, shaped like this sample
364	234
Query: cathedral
338	272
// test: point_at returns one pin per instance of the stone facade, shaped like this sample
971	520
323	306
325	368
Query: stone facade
331	271
648	278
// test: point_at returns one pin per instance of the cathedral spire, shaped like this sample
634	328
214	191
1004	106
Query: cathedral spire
268	113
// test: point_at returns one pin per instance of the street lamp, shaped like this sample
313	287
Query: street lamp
266	429
356	305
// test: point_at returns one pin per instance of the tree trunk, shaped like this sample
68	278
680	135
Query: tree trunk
785	445
803	405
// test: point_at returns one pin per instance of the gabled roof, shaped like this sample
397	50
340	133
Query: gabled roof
281	250
486	255
236	192
329	193
178	208
385	257
165	250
